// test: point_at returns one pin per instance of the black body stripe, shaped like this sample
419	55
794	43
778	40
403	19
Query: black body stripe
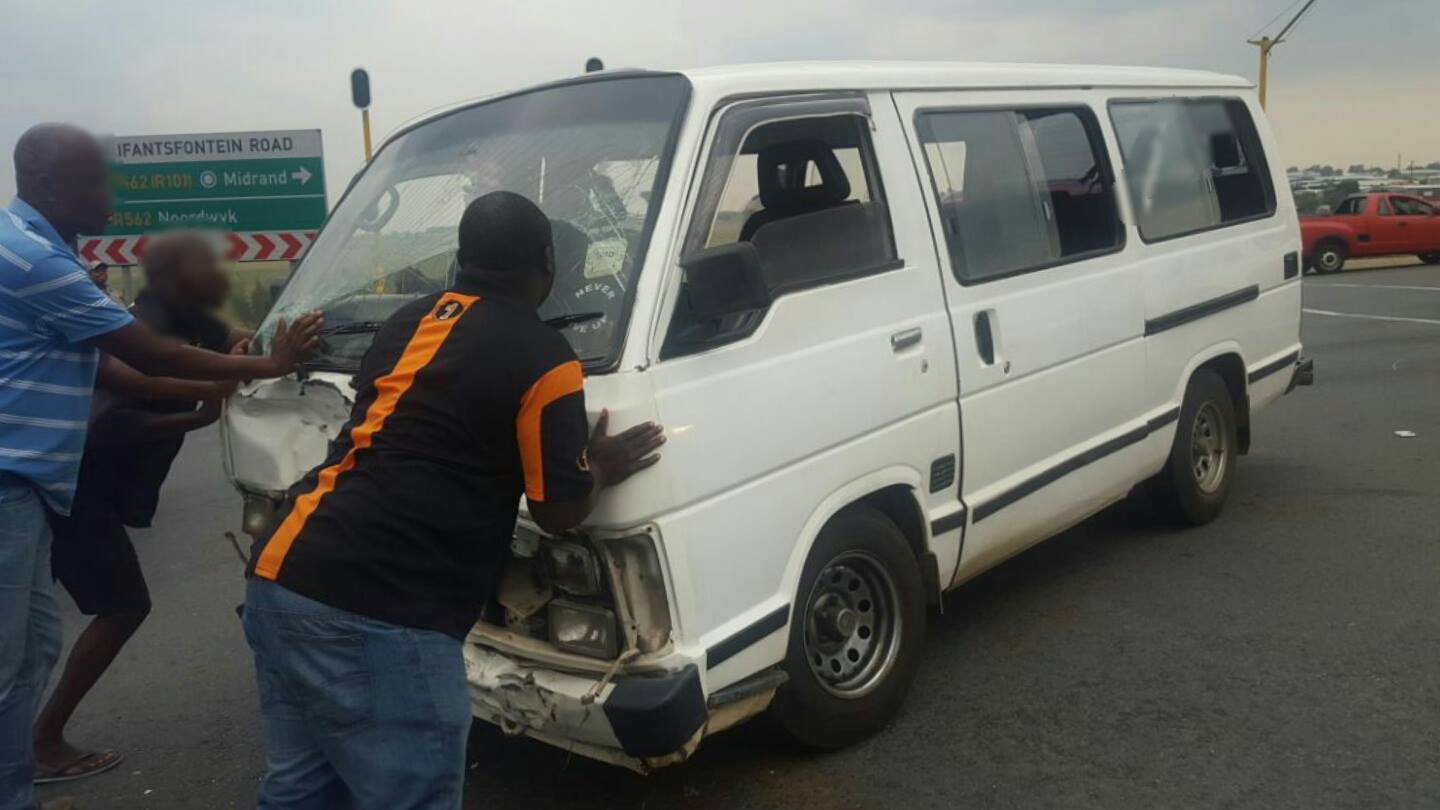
734	645
1032	485
1180	317
1270	368
948	523
1163	419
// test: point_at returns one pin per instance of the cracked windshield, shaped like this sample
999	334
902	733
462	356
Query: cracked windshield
591	156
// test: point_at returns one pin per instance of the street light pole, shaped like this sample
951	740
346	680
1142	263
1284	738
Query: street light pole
1267	44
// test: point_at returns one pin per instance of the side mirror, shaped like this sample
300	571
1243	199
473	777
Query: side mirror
725	280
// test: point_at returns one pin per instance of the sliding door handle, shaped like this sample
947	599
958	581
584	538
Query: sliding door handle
904	340
985	337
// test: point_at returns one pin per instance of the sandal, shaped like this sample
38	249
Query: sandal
79	768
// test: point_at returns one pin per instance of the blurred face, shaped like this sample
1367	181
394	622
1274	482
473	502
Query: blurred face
79	189
200	279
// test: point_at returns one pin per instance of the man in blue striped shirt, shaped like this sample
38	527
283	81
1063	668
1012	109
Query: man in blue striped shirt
52	320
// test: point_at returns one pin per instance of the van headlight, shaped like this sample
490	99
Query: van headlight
571	567
258	515
584	629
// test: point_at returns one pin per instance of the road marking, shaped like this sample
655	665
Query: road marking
1369	317
1378	287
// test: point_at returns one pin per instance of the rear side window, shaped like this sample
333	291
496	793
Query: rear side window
1407	207
1192	164
1352	207
1019	190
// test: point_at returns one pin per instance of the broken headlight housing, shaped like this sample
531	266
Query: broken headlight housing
570	567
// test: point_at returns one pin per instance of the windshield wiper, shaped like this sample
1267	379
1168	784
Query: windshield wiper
566	321
353	328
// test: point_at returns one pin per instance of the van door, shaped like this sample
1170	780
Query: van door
844	377
1048	326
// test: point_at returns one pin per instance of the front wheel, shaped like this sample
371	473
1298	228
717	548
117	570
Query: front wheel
1430	258
1196	480
855	633
1329	257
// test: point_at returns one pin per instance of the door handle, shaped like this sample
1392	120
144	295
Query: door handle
904	340
985	337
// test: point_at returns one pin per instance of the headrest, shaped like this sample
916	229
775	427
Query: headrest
784	163
1225	151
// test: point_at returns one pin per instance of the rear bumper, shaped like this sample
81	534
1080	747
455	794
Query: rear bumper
639	722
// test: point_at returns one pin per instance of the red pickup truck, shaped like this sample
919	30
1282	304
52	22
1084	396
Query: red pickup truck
1380	224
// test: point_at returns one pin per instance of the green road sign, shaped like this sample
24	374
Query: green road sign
234	181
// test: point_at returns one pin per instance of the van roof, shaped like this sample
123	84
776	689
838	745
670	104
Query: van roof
766	77
782	76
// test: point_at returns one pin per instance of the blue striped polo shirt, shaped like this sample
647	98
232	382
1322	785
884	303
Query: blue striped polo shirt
49	308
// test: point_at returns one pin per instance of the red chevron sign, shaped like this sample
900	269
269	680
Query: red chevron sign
258	246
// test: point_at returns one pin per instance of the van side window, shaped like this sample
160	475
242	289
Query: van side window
804	193
799	191
1192	164
1019	190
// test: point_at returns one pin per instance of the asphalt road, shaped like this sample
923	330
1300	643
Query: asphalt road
1284	656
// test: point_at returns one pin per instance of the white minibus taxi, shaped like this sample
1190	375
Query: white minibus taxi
900	322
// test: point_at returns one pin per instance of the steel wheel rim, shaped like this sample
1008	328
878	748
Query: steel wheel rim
1209	448
852	625
1329	260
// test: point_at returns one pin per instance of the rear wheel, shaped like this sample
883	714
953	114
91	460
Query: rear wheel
1196	480
855	633
1329	257
1430	258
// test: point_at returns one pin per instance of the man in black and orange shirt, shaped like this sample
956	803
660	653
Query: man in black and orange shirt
388	551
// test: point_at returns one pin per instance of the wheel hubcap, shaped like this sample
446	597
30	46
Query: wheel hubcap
852	625
1209	448
1329	260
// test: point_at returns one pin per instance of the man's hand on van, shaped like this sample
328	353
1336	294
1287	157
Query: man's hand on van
615	458
295	342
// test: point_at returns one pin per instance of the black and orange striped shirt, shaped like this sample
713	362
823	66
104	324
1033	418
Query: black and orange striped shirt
463	403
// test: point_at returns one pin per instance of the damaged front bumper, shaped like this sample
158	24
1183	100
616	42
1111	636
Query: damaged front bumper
638	721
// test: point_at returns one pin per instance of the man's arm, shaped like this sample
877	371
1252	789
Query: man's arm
611	459
148	352
133	425
116	376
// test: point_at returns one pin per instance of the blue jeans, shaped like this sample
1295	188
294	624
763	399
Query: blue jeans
358	713
29	635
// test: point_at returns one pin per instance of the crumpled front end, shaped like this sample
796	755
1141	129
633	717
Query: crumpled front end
639	722
276	431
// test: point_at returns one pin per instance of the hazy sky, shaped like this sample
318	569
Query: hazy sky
1356	83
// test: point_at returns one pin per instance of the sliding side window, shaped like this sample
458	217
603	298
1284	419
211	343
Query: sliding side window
1192	165
1019	190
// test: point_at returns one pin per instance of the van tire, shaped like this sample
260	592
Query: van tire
1329	256
1188	490
862	553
